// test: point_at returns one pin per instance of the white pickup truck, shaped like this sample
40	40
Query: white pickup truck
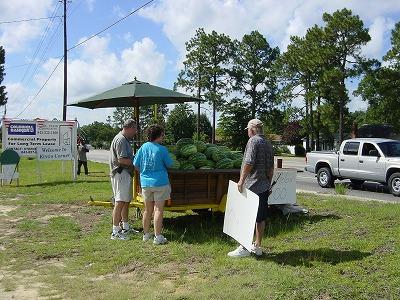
362	159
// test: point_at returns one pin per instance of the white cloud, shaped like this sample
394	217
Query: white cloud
90	4
88	75
14	36
380	32
275	19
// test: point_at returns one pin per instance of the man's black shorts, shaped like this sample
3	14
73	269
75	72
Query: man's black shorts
262	207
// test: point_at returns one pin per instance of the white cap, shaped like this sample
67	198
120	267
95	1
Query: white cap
254	123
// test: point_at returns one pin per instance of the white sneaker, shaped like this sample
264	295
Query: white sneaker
256	250
239	252
159	240
147	237
119	236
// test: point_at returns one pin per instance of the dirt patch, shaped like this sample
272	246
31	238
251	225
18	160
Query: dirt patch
5	209
84	216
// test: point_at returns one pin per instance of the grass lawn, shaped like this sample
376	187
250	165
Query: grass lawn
53	245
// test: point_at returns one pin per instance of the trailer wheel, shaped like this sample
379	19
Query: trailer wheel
325	178
394	184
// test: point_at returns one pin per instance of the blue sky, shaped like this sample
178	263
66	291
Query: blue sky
149	44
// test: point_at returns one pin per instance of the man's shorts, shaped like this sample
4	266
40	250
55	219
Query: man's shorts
262	207
157	193
122	186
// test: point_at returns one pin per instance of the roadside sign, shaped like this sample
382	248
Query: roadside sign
25	136
42	139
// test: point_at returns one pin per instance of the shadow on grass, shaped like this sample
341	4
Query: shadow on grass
63	182
277	223
203	228
308	257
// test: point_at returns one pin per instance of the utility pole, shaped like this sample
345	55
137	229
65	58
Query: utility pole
65	62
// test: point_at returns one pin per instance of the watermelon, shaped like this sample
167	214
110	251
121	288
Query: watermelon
172	149
188	150
237	163
208	145
209	152
235	155
205	168
182	142
208	164
201	146
224	163
217	155
224	149
185	165
175	165
172	155
197	159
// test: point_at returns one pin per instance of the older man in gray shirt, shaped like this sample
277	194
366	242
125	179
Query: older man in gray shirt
121	170
256	175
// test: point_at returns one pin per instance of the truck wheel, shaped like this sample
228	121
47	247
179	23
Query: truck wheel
357	182
394	184
325	178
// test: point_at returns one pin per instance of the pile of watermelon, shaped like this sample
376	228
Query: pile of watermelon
191	155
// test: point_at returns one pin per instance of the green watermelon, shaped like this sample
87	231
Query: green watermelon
209	164
188	150
172	149
197	159
176	164
217	155
172	155
237	163
224	163
224	149
211	145
182	142
235	155
205	168
201	146
185	165
209	152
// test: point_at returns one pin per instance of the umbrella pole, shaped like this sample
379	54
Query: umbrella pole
155	113
138	126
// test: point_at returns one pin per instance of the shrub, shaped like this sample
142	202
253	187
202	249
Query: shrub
299	150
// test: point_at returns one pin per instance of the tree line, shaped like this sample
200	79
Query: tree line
249	78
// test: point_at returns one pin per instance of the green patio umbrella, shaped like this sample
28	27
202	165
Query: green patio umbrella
134	94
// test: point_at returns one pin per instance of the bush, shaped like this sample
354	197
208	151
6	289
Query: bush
299	150
280	149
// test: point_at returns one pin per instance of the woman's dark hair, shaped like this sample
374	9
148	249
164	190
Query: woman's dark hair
154	132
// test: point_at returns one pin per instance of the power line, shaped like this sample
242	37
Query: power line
38	48
27	20
113	24
41	88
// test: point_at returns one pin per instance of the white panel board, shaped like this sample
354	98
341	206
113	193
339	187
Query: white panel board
240	215
284	191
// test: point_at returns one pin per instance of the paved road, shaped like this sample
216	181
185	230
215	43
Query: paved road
305	181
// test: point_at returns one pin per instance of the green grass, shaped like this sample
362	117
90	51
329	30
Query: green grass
340	188
53	242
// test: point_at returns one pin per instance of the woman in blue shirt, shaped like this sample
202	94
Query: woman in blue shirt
152	161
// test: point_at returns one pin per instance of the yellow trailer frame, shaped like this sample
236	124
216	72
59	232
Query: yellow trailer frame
191	190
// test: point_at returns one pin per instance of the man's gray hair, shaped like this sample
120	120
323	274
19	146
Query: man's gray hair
258	129
130	123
